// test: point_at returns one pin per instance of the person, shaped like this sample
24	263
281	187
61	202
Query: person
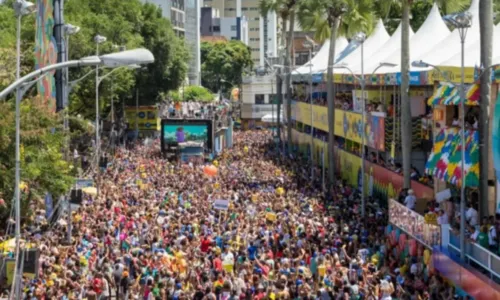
492	234
410	200
482	237
471	215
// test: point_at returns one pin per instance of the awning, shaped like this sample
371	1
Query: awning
445	159
449	94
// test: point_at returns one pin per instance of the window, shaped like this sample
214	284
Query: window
244	8
216	28
234	38
254	29
254	8
233	27
230	9
259	98
255	49
254	39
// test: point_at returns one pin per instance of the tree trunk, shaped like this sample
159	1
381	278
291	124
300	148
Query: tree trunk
406	125
279	78
288	58
486	29
330	97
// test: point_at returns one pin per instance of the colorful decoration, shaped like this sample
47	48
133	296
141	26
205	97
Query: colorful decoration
210	170
449	94
215	163
445	159
45	51
280	191
245	149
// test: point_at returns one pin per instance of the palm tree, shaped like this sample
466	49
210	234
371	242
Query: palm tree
486	28
286	11
406	122
329	19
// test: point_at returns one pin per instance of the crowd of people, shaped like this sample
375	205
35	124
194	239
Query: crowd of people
153	232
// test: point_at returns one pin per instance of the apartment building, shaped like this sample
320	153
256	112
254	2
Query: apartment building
230	28
262	31
185	18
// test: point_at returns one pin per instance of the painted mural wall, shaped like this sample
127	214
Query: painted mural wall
45	51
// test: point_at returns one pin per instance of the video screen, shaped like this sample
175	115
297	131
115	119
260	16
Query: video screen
181	133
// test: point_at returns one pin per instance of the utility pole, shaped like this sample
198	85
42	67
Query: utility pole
61	51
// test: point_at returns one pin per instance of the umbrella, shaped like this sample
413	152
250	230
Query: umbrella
90	191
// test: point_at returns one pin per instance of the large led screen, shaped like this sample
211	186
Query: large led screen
180	133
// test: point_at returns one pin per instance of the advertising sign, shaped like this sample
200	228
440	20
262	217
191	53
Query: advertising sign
414	224
146	116
348	124
83	183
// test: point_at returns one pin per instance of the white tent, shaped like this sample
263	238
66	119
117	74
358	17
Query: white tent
371	62
432	31
351	56
320	60
473	53
450	46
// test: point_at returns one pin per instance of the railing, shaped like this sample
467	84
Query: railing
476	255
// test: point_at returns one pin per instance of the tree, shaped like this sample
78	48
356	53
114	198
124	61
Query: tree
223	64
286	11
486	29
330	18
42	164
406	124
192	93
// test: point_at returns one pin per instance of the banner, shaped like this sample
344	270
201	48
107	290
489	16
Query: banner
414	224
348	125
146	116
495	147
48	205
221	204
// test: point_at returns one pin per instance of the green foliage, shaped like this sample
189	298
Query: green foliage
223	64
42	165
125	23
194	93
317	15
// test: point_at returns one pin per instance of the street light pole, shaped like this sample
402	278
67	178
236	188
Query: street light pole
21	8
311	108
463	33
363	122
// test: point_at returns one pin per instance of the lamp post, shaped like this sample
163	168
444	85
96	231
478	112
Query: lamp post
21	8
461	22
98	39
362	82
310	45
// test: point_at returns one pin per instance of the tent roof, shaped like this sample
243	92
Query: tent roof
432	31
352	53
450	46
372	62
473	52
320	60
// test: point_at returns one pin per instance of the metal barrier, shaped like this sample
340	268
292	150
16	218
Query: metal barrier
476	254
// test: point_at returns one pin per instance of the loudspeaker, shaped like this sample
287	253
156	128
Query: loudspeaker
76	197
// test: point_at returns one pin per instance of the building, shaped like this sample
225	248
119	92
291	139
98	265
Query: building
262	32
185	18
257	94
231	28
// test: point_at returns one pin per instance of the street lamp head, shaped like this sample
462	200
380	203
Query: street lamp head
99	39
420	64
71	29
129	57
341	65
359	37
460	20
23	8
387	64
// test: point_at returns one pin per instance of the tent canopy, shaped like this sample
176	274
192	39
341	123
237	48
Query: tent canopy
320	60
371	62
450	46
351	56
432	31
